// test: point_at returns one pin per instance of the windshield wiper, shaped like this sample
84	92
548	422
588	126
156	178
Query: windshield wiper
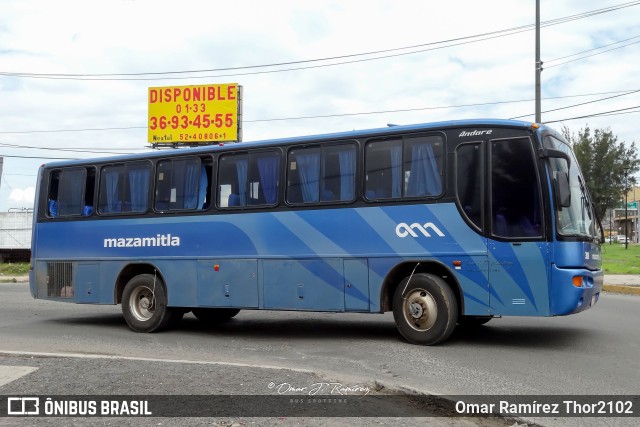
583	199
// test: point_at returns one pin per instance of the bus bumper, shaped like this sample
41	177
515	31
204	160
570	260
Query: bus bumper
574	290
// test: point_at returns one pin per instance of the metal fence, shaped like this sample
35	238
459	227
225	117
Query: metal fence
15	229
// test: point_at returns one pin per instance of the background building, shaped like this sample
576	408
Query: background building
619	223
15	235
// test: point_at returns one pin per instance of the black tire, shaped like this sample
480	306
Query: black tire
214	315
425	309
473	321
144	305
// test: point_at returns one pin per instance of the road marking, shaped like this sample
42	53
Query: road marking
12	373
149	359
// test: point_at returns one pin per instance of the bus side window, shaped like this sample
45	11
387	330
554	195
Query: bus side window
325	174
384	169
124	188
469	162
423	166
515	191
303	184
232	180
52	197
89	190
408	167
338	173
181	184
202	188
248	179
264	174
71	192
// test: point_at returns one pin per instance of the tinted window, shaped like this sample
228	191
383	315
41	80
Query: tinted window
515	203
321	174
124	188
404	167
181	184
71	192
248	179
469	181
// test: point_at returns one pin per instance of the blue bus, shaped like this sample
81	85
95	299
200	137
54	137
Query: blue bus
444	224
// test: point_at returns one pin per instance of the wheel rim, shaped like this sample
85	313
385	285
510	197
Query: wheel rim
142	303
420	310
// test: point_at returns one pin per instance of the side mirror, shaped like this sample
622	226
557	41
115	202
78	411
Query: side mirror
563	190
548	152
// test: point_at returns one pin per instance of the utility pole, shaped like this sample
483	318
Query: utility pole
538	64
626	212
611	223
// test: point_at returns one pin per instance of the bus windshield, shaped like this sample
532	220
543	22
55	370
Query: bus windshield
578	219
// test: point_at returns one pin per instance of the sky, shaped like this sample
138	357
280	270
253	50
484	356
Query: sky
74	75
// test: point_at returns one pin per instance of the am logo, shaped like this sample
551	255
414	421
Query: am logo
403	230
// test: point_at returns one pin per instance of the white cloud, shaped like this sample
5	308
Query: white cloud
24	197
158	36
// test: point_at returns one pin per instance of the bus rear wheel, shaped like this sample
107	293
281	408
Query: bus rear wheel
144	304
214	315
425	309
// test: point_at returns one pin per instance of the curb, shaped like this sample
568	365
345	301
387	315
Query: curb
622	289
14	279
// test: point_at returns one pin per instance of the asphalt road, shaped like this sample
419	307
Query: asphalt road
595	352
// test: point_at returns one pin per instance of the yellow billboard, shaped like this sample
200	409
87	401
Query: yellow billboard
194	114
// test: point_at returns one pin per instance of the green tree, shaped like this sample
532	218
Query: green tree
603	161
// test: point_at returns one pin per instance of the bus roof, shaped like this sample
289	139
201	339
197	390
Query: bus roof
390	129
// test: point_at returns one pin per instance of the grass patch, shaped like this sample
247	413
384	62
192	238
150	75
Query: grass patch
14	269
618	260
615	260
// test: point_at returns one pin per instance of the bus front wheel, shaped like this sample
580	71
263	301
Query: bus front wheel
425	309
144	304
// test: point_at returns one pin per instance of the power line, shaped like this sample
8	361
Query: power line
593	54
60	75
76	130
50	77
623	92
73	150
590	50
449	43
39	157
580	104
601	114
604	113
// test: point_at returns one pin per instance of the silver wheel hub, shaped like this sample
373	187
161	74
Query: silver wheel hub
416	310
142	303
420	310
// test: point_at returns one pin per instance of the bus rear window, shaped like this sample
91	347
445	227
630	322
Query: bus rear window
71	192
